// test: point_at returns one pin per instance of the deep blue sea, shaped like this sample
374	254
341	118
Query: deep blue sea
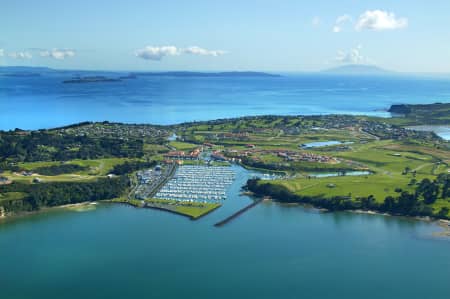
44	101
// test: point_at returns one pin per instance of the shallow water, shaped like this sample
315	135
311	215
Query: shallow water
322	143
271	251
333	174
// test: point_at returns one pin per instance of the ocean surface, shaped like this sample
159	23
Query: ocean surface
44	101
271	251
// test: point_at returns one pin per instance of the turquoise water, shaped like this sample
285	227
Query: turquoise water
272	251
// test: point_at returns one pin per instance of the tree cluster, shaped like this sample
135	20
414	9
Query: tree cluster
50	146
62	193
130	166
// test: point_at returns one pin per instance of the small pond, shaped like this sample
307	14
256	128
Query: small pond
322	144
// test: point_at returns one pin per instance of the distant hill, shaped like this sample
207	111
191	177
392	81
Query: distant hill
358	69
205	74
430	114
25	71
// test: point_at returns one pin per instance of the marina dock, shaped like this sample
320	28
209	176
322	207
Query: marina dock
198	184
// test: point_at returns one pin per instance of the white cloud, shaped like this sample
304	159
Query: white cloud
340	21
20	55
59	54
158	53
380	20
316	21
2	52
200	51
353	56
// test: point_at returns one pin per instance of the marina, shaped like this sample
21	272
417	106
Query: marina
198	183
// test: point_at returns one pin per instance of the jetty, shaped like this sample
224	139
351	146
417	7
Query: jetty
238	213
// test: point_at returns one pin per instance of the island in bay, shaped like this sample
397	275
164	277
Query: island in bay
100	79
334	162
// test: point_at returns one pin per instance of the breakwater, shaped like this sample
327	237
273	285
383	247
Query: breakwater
238	213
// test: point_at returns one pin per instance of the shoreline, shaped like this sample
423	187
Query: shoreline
445	225
442	131
147	205
442	223
5	218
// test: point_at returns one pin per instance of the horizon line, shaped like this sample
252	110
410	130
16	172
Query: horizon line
387	71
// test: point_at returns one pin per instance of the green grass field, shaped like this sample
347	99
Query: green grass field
379	186
95	167
55	178
388	160
183	146
194	210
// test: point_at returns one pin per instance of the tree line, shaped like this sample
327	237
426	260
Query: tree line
130	166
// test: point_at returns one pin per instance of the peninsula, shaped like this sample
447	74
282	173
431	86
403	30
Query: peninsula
337	162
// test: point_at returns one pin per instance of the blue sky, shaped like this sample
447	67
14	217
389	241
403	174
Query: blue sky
289	35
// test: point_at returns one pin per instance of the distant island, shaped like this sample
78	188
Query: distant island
96	76
91	79
205	74
358	69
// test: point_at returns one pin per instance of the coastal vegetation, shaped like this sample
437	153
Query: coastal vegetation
32	197
431	114
24	146
426	198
